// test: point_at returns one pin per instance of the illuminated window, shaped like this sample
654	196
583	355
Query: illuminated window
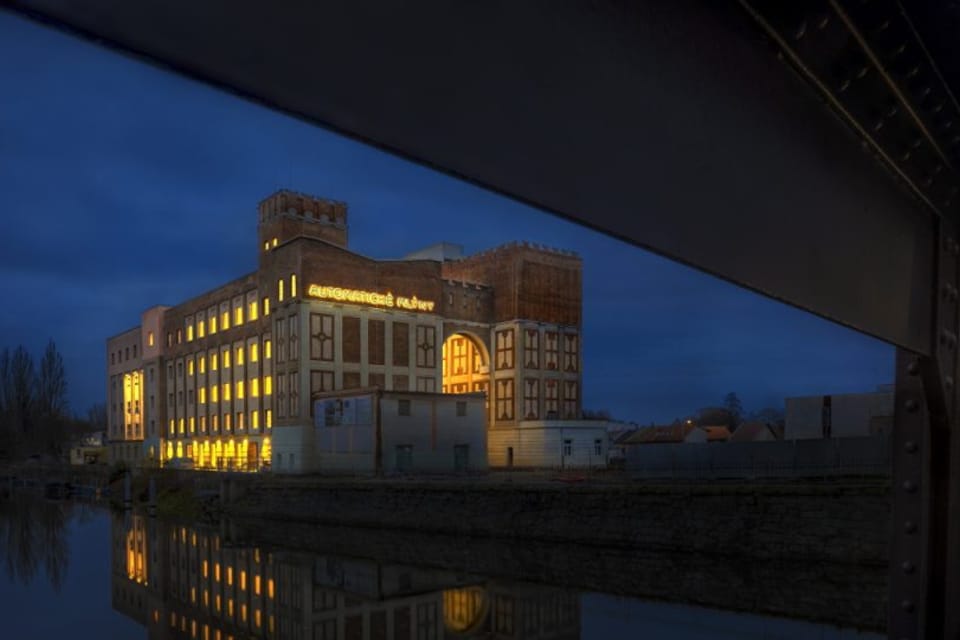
273	242
226	358
212	324
255	388
239	420
213	361
150	339
229	576
226	391
215	422
266	245
293	285
268	418
240	389
266	306
203	424
216	572
256	585
243	612
181	425
256	618
203	364
254	419
172	430
179	336
201	328
224	320
216	602
238	316
270	588
252	310
193	425
279	290
203	395
267	349
214	393
190	332
239	359
243	580
190	367
254	352
226	422
268	385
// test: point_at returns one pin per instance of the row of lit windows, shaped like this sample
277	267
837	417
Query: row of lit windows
201	327
293	287
184	426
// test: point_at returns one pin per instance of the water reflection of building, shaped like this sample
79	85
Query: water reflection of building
185	582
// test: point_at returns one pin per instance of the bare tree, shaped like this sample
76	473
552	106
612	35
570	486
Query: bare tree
52	384
22	386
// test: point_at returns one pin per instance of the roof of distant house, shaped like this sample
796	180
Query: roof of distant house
750	431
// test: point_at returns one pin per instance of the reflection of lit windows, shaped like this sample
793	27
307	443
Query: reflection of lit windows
270	588
243	580
229	606
256	585
243	612
273	242
216	571
206	567
256	618
216	603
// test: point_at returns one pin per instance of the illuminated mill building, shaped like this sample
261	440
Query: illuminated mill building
226	378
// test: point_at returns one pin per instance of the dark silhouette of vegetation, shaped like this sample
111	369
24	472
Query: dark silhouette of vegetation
33	537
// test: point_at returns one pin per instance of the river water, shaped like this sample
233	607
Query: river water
74	570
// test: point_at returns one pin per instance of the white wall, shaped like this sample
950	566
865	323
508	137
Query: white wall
540	444
433	430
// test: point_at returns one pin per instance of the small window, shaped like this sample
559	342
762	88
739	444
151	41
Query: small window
598	447
567	448
403	407
461	408
150	339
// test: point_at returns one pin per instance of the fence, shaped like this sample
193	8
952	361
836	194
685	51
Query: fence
863	456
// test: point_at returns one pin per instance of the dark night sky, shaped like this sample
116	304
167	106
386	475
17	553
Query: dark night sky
125	186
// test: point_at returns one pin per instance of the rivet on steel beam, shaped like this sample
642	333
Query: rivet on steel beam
911	406
910	526
908	567
909	486
910	446
907	605
801	30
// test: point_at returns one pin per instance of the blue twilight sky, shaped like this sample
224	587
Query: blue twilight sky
124	186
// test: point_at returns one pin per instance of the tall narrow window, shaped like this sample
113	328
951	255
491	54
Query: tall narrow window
351	339
212	322
531	398
268	418
268	385
149	339
266	307
255	387
254	351
190	367
226	391
401	344
570	399
551	350
213	361
190	330
504	350
267	349
293	285
376	348
570	352
225	319
254	419
201	327
225	358
294	394
504	400
531	348
202	363
551	398
321	336
426	346
281	395
239	358
252	310
238	316
293	326
281	333
279	290
240	389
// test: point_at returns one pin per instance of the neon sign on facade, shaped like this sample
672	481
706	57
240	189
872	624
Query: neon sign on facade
371	298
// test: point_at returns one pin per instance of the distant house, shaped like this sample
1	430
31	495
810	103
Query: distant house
617	444
89	449
756	432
